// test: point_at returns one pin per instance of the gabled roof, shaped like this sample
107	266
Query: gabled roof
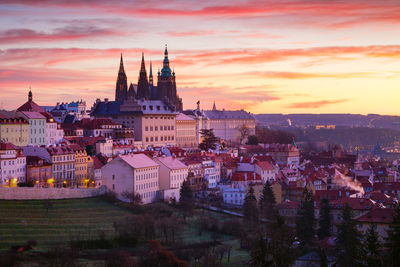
138	161
172	163
33	115
265	165
379	215
183	117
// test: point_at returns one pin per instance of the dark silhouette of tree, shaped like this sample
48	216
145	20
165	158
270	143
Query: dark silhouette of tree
209	139
133	198
393	239
90	150
252	140
348	240
186	201
305	219
250	210
157	255
371	247
268	136
325	224
268	203
276	249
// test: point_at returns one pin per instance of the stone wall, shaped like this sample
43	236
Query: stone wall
20	193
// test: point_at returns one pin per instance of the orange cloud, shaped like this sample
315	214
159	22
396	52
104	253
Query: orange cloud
315	104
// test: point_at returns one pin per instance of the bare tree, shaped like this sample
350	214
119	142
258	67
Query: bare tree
244	132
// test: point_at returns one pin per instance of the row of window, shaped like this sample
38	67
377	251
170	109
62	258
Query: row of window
162	128
63	167
146	185
13	162
162	138
21	130
41	131
40	122
63	158
145	176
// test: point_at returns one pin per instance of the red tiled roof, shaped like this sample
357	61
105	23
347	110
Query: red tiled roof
97	163
59	150
354	203
245	176
7	146
31	106
265	165
379	215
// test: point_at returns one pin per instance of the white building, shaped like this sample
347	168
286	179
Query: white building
12	165
211	175
266	170
105	147
172	172
227	124
37	127
132	173
234	196
54	132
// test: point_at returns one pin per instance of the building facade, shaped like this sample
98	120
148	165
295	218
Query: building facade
132	174
186	136
14	128
12	165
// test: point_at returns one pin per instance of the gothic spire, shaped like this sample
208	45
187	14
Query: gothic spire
151	75
214	107
121	66
143	90
142	65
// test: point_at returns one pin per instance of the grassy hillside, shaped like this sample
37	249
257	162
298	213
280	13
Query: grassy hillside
28	220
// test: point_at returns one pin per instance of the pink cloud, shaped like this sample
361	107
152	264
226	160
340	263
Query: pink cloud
60	34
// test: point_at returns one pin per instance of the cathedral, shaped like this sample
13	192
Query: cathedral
145	88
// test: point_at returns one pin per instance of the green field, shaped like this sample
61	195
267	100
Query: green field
83	219
28	220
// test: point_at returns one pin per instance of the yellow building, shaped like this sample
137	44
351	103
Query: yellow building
81	165
13	128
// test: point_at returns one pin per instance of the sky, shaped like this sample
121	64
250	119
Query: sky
279	56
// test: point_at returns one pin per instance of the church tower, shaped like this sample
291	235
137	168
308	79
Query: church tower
166	86
121	88
143	90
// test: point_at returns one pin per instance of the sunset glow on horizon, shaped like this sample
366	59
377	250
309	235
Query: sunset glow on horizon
262	56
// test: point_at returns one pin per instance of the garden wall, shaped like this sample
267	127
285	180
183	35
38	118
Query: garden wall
19	193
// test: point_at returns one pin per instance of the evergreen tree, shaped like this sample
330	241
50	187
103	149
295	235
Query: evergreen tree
393	239
305	219
325	224
268	203
186	198
371	246
276	249
348	240
250	210
209	139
